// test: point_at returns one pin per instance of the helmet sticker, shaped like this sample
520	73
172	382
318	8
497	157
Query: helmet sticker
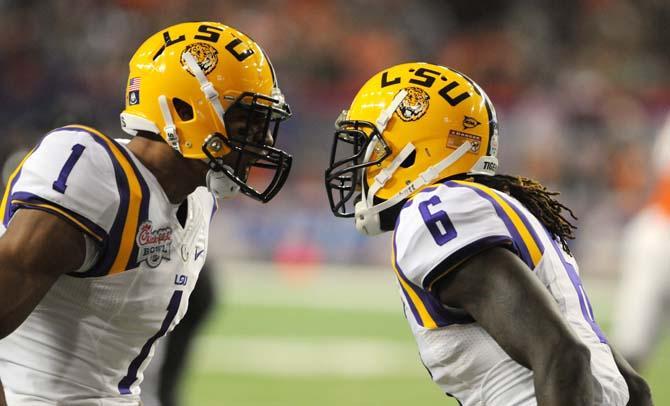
457	138
206	55
134	91
134	98
470	122
414	105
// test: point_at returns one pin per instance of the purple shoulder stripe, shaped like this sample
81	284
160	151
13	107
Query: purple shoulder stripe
106	260
584	303
520	246
144	203
442	316
31	201
462	255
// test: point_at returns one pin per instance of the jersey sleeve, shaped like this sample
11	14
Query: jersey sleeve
442	227
70	175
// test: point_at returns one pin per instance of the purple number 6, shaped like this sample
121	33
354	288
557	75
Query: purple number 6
438	223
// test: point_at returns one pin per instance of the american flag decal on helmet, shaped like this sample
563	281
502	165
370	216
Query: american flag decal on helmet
134	84
134	91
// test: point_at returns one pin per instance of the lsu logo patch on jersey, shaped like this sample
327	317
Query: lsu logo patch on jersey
153	245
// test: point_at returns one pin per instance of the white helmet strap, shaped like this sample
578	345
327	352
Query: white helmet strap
205	85
386	173
381	122
170	129
367	216
424	178
387	113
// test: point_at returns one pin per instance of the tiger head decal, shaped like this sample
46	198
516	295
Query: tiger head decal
414	105
206	55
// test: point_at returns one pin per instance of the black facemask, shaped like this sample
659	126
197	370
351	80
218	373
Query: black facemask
252	153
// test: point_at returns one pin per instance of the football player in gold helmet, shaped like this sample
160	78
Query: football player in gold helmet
489	286
102	240
212	94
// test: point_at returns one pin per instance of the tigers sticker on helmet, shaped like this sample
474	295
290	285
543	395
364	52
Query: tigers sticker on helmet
414	105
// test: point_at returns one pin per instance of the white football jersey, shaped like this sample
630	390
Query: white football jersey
93	334
445	225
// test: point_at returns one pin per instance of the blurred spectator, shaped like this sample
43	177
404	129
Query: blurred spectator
644	287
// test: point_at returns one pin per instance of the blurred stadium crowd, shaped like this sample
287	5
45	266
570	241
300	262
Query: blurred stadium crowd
581	88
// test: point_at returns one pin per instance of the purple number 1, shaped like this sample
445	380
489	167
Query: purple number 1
131	376
438	223
59	185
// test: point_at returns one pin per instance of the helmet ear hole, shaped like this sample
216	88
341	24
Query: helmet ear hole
409	161
184	110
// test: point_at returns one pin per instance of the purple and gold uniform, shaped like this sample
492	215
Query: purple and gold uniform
446	224
93	334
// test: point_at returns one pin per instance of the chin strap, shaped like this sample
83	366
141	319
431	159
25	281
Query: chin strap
220	183
367	217
170	129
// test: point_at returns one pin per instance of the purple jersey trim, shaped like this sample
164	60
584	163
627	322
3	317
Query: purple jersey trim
437	312
524	220
520	246
29	200
106	260
8	206
144	204
584	303
463	254
411	305
130	378
215	207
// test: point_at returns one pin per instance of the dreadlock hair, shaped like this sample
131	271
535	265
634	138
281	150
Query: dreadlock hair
538	200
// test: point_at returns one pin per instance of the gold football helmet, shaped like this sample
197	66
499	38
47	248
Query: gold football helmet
209	90
408	126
